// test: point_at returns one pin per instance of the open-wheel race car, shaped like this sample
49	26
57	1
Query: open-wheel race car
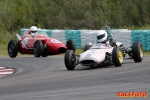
38	45
103	54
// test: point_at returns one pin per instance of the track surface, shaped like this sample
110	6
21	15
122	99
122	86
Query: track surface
48	79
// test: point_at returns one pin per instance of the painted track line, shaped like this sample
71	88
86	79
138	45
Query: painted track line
4	71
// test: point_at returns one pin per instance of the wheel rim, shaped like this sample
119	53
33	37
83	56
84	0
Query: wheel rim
35	49
120	56
73	59
141	51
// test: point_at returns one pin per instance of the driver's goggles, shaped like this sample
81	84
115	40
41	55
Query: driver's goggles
100	36
33	31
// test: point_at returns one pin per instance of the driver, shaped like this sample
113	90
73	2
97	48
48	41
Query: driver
33	30
103	37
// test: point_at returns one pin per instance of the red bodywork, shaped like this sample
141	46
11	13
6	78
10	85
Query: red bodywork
50	45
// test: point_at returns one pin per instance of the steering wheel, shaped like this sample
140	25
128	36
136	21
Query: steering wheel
105	28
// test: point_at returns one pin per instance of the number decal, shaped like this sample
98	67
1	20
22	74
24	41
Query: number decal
55	41
25	41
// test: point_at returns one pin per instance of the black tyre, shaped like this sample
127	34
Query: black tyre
70	45
137	51
12	48
45	52
70	60
87	47
38	48
117	56
44	55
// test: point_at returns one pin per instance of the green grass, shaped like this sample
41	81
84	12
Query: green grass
147	52
3	50
79	50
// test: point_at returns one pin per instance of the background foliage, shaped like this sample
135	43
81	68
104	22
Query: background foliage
71	14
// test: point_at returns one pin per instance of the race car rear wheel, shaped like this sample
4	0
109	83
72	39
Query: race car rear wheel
137	51
44	55
87	47
117	56
70	60
12	48
38	48
70	45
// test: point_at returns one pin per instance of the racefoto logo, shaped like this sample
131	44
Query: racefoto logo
131	94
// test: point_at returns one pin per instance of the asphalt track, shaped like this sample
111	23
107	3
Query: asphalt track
48	79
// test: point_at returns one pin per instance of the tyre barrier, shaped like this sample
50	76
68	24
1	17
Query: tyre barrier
84	37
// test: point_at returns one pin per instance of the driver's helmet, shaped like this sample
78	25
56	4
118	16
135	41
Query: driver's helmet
33	30
102	36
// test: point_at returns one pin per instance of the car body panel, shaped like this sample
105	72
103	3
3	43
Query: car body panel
96	54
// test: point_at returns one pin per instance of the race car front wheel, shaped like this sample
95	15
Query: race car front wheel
12	48
137	51
38	48
70	45
117	56
70	60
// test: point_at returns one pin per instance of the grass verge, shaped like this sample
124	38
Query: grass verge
3	51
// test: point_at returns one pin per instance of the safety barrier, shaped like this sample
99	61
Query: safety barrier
143	36
123	36
83	37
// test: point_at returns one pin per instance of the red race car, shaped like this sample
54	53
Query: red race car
39	45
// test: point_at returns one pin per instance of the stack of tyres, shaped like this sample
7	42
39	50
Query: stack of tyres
22	31
115	35
148	40
126	38
40	30
63	36
46	31
123	36
59	35
136	35
88	37
144	40
141	36
75	36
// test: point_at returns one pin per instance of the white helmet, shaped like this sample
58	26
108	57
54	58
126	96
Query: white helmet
33	30
101	36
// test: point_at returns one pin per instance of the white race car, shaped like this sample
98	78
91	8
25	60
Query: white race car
103	53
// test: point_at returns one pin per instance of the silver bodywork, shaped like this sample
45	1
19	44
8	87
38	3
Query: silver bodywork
96	54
